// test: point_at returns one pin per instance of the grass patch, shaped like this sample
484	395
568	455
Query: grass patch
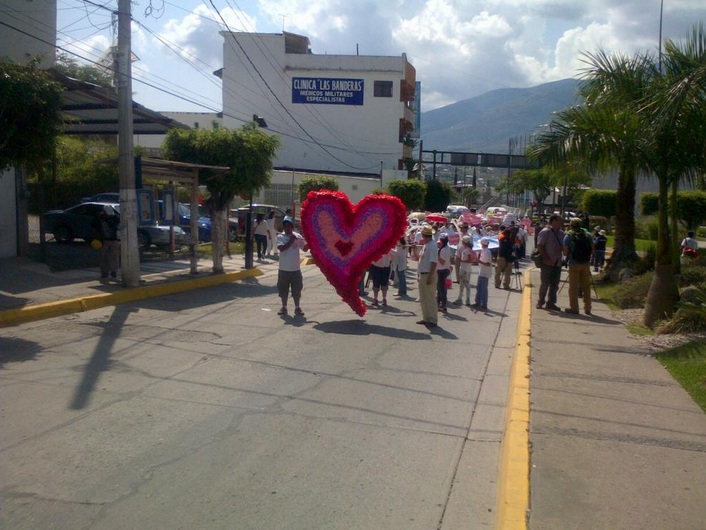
205	250
641	245
606	292
637	328
687	364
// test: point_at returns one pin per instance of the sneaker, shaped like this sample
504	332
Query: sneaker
571	311
430	324
384	302
282	311
458	301
540	305
553	307
375	303
422	322
298	311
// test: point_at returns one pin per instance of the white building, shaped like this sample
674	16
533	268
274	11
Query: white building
152	143
333	113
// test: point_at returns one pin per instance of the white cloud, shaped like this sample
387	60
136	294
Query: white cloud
196	35
460	48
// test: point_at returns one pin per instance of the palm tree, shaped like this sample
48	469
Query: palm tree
605	132
677	116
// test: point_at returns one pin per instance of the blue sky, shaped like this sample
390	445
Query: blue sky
460	49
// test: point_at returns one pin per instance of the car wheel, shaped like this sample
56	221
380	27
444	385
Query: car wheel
144	241
62	234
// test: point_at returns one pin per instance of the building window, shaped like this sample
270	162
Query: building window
382	89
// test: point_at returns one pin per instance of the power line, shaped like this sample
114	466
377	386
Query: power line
276	98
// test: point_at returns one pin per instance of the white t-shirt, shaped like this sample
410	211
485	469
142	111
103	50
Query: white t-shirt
689	242
445	253
262	228
466	258
289	258
385	260
485	271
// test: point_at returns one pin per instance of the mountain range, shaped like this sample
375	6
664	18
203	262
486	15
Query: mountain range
486	123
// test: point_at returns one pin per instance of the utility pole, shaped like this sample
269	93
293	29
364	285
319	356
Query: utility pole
129	253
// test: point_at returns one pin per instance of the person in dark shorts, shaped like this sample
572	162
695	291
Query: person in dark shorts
289	243
380	275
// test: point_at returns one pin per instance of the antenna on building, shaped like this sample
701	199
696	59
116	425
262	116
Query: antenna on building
356	49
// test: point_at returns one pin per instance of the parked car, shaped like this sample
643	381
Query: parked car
77	221
204	222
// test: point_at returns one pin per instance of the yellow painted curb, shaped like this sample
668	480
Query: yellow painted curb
513	478
32	312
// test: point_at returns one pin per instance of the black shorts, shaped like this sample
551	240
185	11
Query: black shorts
380	276
287	279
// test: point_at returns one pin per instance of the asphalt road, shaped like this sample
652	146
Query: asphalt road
207	410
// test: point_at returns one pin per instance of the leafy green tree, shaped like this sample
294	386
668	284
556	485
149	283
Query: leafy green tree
246	152
316	183
70	67
81	169
30	121
438	196
410	192
470	196
539	182
30	115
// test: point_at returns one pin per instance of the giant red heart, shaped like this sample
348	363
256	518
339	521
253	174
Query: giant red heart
345	239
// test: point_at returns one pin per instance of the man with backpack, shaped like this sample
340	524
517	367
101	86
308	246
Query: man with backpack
577	250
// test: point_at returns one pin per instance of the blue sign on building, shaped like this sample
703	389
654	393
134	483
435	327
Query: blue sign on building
327	91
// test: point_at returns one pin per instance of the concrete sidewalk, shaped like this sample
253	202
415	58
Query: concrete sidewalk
30	290
616	443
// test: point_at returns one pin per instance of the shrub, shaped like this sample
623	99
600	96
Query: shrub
633	293
646	262
693	273
599	220
690	316
646	228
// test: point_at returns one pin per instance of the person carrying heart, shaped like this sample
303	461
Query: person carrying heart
289	277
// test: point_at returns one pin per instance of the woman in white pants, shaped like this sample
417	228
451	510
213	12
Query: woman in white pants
272	235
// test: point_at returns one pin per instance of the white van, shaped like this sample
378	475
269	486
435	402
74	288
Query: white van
496	211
